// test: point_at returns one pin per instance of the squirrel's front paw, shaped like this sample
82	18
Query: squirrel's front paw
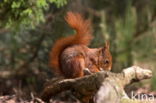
87	71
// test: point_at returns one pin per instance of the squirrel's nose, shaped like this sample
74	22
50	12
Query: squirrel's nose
106	61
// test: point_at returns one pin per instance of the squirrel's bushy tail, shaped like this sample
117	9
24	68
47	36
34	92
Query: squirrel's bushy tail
83	36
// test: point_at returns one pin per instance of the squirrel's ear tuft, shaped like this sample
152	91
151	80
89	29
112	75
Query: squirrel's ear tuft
107	45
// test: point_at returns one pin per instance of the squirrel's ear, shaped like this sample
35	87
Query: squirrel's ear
107	45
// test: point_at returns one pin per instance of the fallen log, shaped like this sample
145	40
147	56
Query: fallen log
103	87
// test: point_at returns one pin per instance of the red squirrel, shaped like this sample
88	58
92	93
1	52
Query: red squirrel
71	57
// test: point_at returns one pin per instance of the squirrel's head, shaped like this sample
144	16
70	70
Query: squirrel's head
105	58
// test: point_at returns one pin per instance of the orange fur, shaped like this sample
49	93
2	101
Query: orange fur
82	37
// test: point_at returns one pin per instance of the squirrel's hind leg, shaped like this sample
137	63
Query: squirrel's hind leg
73	67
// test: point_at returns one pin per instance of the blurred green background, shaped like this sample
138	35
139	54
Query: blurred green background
28	29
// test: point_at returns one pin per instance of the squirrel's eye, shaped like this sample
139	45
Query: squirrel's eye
106	61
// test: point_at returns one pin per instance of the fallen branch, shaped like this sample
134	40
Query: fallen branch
110	84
